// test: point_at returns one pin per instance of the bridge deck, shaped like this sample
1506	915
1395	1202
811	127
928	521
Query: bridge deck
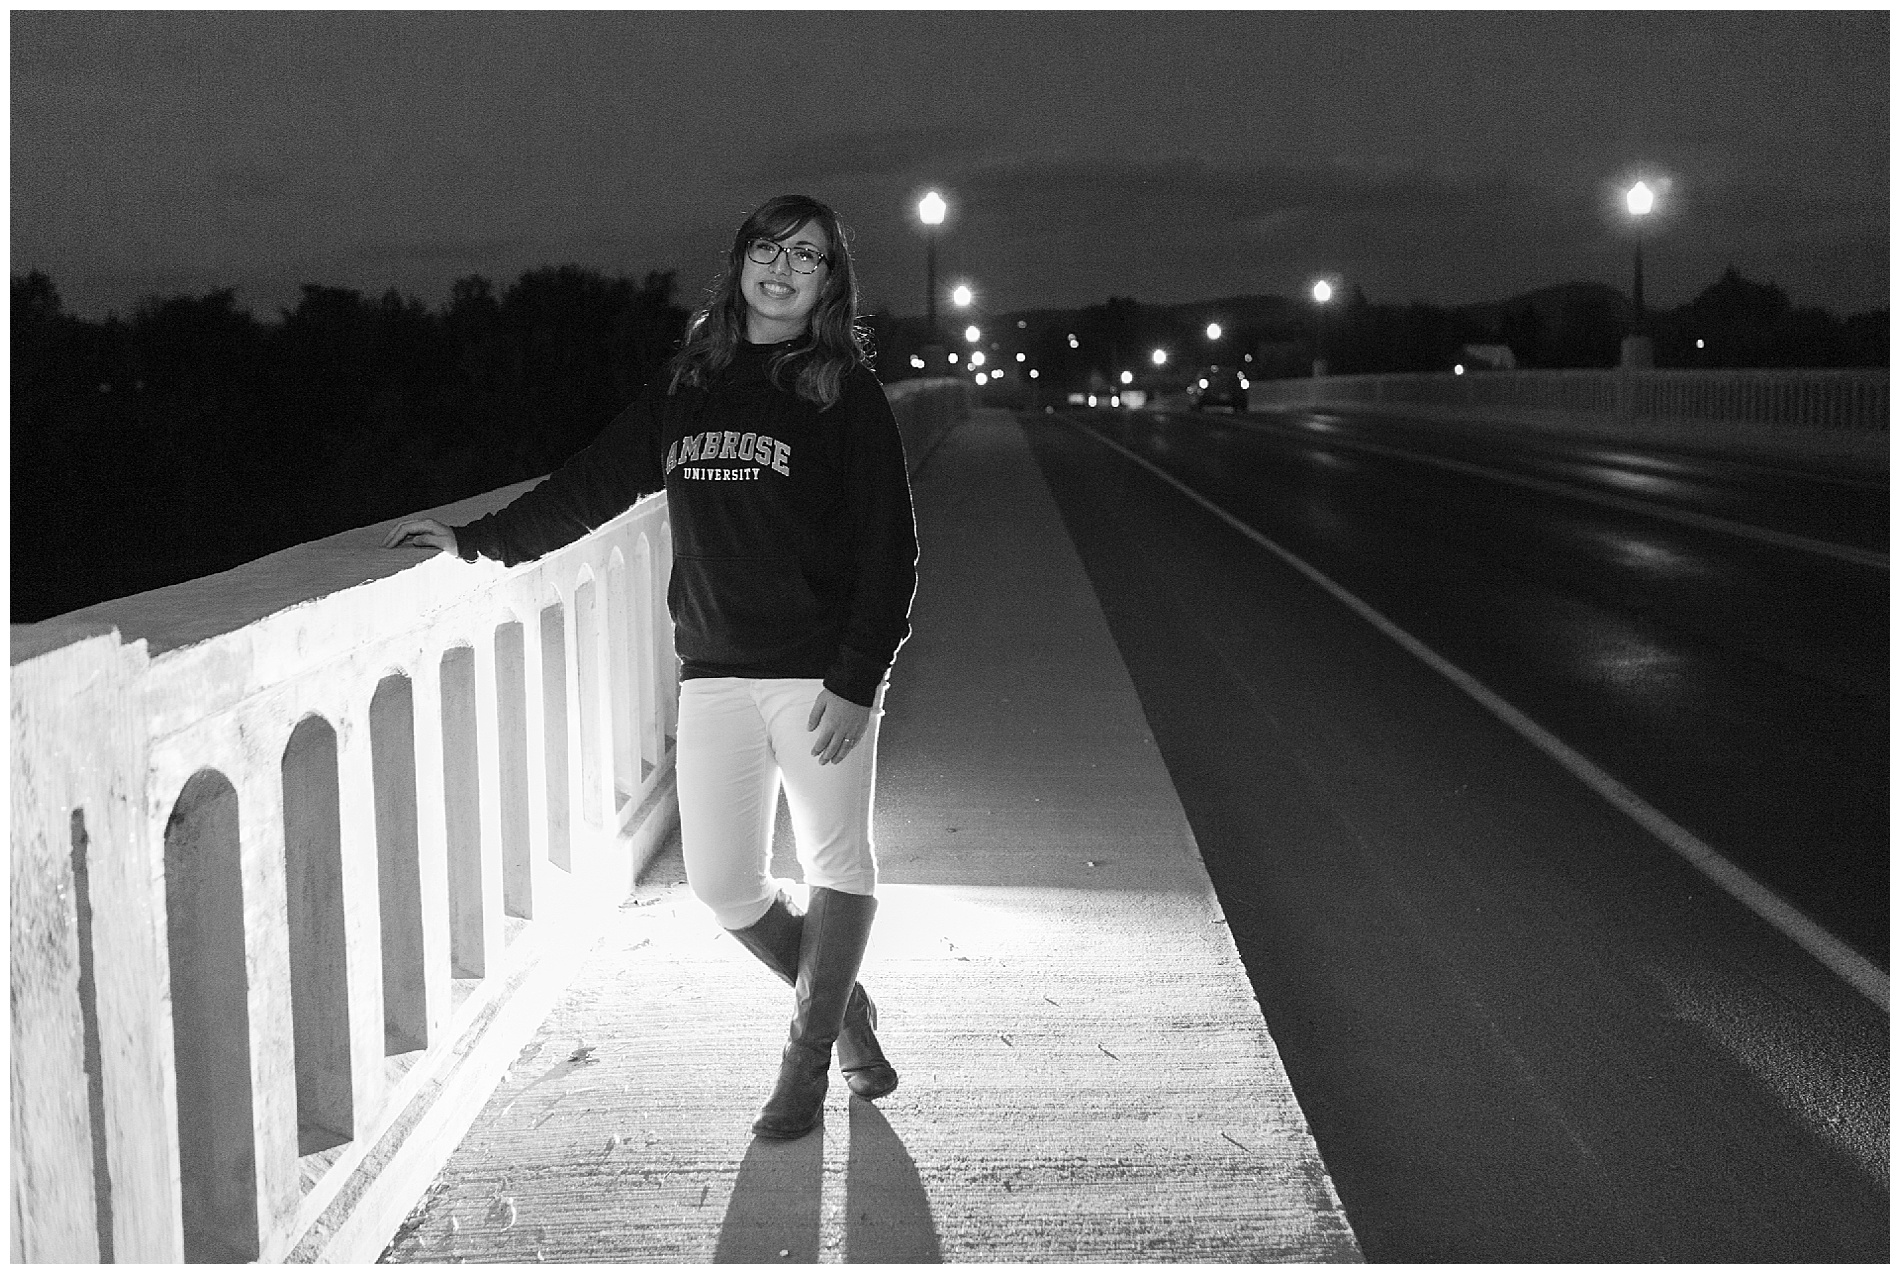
1085	1072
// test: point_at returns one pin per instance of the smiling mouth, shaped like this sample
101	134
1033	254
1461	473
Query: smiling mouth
779	291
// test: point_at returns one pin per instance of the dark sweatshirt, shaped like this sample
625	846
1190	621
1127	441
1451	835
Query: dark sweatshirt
794	546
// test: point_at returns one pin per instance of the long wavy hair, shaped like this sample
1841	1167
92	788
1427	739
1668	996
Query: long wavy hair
832	344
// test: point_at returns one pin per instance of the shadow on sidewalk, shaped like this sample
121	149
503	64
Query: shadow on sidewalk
773	1213
777	1200
887	1213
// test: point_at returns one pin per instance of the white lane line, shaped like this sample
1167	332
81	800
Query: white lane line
1849	965
1626	504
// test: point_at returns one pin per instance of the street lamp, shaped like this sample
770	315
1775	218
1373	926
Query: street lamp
1160	357
1322	293
930	210
1637	350
962	296
972	334
1213	331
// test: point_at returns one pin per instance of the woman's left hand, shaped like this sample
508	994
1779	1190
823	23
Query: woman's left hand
839	723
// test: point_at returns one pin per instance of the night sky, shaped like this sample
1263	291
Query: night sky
1445	157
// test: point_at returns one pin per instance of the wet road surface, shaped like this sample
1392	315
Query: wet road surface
1522	1026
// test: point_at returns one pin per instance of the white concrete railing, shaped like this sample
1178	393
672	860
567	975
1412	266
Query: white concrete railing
1851	399
328	824
301	853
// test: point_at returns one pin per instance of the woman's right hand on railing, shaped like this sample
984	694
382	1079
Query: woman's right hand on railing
422	532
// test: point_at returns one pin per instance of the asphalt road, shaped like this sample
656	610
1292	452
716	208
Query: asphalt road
1524	1026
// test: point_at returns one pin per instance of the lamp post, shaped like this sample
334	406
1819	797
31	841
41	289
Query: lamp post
930	210
1322	293
1637	348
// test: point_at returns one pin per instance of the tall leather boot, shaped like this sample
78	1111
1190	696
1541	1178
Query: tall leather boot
836	929
774	939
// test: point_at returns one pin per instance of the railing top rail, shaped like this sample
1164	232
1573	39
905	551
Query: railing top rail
1872	374
197	610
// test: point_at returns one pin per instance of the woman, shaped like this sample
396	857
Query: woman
795	558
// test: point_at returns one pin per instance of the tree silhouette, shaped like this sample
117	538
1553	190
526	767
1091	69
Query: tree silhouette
195	437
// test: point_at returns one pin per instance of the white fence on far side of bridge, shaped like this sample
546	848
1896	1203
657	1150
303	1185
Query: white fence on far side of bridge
1850	399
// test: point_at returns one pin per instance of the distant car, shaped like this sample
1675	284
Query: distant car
1219	387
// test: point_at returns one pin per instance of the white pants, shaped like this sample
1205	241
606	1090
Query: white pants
737	737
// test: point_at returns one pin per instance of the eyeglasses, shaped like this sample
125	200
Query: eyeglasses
804	260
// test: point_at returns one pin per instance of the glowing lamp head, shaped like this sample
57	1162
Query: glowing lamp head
962	296
930	209
1128	378
1322	291
1213	331
1160	356
1640	199
971	334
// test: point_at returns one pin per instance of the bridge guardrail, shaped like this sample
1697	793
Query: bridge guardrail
300	853
1843	399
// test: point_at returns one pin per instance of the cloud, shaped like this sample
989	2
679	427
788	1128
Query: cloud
443	251
878	152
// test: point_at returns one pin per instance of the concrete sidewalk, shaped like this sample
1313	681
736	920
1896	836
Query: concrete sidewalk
1085	1072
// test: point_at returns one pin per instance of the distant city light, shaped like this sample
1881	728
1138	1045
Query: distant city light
1072	344
1458	369
1322	291
1022	323
996	374
1641	199
916	361
1203	382
1033	373
1160	356
981	379
1091	400
1128	378
1021	357
1115	401
1213	331
1248	357
962	294
971	335
1698	344
931	209
976	359
953	356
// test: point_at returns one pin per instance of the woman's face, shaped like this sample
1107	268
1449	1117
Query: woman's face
779	300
